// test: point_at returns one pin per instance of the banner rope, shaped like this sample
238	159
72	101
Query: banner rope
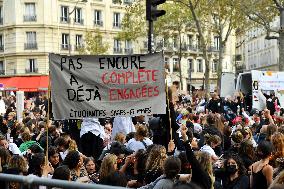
47	122
169	111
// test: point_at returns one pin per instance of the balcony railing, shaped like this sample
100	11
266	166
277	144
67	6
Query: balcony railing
30	45
117	25
2	72
64	19
65	46
127	2
1	47
78	47
34	70
79	21
29	18
98	23
11	71
213	49
117	50
128	51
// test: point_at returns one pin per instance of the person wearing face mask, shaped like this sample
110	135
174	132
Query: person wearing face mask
235	174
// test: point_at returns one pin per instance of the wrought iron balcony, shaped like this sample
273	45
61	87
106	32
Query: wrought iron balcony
1	47
79	21
33	70
2	72
98	23
117	50
30	18
64	19
117	25
128	50
1	21
65	46
30	45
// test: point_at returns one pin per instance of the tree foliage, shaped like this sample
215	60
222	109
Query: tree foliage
94	44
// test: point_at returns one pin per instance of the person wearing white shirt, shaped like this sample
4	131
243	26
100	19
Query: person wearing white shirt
211	141
122	125
12	147
140	141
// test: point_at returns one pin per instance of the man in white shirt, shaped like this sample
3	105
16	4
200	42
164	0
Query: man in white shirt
12	147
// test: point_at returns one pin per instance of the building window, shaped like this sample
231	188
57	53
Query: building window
190	65
128	47
31	66
216	42
116	20
2	70
78	16
175	65
1	15
1	43
98	18
30	12
199	65
65	41
31	40
214	66
167	65
117	46
175	42
64	14
79	41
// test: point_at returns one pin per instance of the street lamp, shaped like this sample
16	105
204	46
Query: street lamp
69	14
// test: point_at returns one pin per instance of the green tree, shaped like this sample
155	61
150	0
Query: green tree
175	22
94	44
263	13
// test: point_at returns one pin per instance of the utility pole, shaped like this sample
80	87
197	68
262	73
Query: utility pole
152	13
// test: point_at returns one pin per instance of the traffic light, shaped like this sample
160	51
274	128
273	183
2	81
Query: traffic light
152	13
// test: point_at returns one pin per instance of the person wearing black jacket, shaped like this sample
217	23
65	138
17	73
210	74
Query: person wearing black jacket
233	176
215	104
199	176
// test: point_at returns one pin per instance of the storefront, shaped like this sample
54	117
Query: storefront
28	84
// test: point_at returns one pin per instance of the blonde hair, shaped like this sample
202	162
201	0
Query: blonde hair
120	137
204	160
72	143
107	166
156	158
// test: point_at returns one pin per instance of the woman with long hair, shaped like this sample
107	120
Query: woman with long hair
154	164
246	153
109	174
277	140
235	174
262	172
38	167
205	162
90	166
74	161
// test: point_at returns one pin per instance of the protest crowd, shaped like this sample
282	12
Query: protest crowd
200	143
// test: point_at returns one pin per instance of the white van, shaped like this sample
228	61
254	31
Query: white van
259	82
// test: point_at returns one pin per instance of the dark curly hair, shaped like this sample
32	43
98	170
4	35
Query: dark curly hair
242	170
35	163
72	159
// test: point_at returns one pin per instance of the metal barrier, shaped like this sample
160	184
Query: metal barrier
32	181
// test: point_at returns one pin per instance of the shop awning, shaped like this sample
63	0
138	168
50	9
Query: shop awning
25	83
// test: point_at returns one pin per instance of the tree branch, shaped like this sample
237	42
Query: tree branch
278	5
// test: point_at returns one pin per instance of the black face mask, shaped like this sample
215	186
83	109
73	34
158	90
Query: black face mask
232	169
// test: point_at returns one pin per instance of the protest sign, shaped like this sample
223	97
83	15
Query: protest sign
110	85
